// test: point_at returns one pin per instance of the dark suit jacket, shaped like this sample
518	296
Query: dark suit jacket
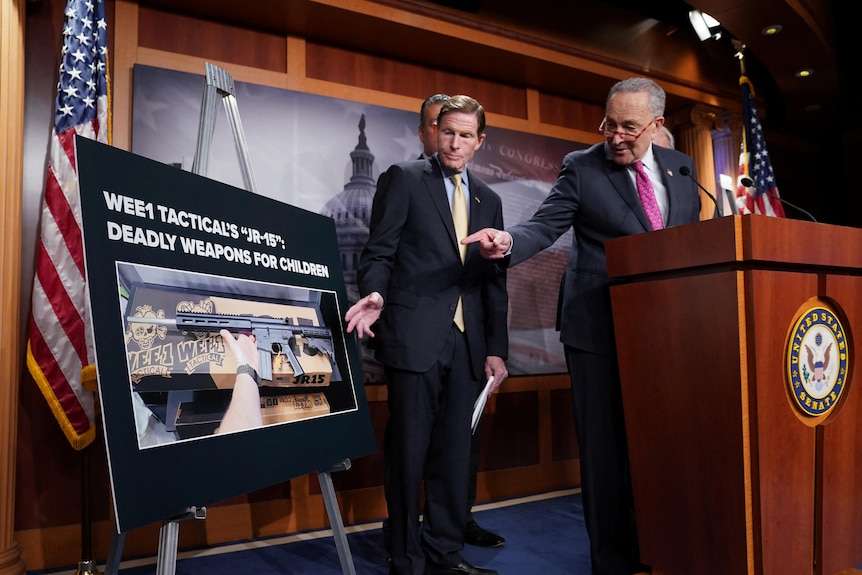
597	199
412	259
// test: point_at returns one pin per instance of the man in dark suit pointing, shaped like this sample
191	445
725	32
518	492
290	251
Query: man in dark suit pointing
442	332
619	187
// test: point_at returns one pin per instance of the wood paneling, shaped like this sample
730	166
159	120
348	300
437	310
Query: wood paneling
510	432
206	39
564	112
11	176
564	444
387	75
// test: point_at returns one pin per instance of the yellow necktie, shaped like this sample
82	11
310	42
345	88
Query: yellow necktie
459	216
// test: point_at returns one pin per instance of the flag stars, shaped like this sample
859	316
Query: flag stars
83	61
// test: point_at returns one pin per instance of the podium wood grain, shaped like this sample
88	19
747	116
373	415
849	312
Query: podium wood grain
727	477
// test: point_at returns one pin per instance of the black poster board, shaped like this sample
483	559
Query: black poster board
150	227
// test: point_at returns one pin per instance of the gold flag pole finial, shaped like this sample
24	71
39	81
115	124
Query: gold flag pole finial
739	55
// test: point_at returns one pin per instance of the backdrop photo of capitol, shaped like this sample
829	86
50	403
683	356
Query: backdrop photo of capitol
324	154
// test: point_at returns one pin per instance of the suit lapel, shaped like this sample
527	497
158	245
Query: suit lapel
437	191
674	185
474	199
620	179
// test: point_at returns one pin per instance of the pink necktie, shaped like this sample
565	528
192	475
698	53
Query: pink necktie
647	196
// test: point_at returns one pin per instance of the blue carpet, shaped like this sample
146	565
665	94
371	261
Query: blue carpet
545	535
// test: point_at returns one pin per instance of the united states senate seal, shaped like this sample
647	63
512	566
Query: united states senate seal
817	355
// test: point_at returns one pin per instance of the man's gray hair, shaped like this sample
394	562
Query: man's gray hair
657	96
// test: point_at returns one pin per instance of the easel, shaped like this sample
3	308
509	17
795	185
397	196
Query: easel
219	84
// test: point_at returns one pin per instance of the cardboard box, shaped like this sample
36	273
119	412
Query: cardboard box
203	415
164	358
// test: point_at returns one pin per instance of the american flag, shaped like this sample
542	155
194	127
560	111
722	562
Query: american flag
59	346
754	163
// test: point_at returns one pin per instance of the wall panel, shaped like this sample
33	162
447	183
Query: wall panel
377	73
205	39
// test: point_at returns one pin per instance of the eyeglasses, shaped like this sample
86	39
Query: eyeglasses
625	135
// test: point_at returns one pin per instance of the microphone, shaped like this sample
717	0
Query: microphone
749	183
684	171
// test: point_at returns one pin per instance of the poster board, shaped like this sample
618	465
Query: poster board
188	241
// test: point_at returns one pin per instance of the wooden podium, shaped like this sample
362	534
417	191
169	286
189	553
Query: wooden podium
730	477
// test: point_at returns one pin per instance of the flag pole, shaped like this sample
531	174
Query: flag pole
86	566
739	55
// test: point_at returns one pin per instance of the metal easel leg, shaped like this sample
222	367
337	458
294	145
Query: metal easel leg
220	84
334	513
115	553
166	563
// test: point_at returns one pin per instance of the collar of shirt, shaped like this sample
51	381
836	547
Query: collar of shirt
447	177
450	185
650	164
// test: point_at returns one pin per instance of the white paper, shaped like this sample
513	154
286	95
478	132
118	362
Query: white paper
479	406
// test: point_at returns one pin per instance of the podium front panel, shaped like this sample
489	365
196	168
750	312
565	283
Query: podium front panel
729	474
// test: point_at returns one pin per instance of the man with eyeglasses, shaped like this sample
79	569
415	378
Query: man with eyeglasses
619	187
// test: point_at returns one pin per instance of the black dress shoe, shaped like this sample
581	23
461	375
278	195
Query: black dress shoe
475	535
462	568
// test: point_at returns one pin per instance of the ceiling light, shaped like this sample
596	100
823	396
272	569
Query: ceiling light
705	26
804	73
771	30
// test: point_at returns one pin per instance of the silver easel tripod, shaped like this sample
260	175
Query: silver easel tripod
219	84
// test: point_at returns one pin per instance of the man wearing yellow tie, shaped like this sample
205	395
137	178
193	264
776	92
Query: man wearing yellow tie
442	332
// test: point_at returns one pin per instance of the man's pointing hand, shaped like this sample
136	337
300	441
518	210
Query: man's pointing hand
493	244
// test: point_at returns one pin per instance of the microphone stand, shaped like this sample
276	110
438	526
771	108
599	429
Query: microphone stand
749	183
683	170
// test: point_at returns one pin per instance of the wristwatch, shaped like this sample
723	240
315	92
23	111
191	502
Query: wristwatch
248	370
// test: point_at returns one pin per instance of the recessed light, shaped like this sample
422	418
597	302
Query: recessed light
771	30
804	73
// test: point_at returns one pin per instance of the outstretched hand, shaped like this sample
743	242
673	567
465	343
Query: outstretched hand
362	315
493	244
